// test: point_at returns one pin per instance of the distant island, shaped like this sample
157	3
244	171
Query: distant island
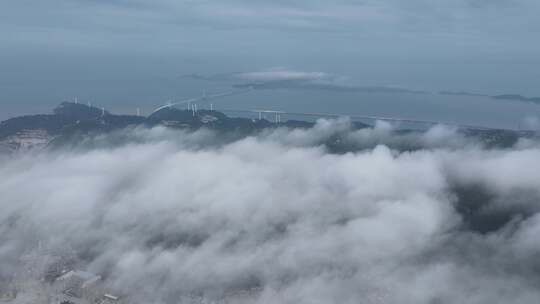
301	85
461	93
328	84
512	97
517	97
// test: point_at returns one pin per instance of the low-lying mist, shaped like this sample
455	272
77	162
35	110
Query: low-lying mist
321	215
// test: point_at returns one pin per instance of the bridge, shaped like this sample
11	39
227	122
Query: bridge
204	97
277	114
277	119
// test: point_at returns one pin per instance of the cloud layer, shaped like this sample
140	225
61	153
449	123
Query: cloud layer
281	74
276	218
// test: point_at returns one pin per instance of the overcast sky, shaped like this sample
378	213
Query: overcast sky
124	50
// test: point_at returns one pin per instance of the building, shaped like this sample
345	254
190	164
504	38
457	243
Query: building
77	287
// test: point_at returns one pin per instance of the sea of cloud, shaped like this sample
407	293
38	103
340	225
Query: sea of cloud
179	217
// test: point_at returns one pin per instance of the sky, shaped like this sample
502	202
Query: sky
121	52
